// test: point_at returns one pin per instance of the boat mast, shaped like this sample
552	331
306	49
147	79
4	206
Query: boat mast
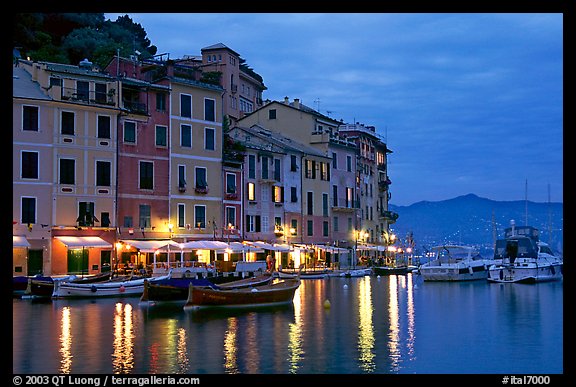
549	217
526	203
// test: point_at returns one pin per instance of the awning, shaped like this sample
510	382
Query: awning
268	246
151	246
332	249
75	242
20	241
204	245
238	247
367	247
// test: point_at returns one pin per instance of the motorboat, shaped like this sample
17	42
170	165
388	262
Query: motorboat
521	257
455	263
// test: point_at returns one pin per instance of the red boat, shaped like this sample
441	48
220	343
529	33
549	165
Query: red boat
276	293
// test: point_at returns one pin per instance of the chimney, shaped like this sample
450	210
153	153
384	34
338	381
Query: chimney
286	100
297	103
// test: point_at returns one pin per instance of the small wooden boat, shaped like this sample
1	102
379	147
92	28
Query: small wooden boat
304	274
175	290
275	293
356	272
117	287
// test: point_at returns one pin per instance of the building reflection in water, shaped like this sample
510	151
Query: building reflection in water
123	355
230	347
394	315
66	341
183	361
295	333
410	313
252	355
366	328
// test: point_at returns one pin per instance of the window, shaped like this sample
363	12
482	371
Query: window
128	221
28	210
181	176
324	171
324	204
251	191
252	166
277	169
335	224
335	195
161	102
105	217
294	225
349	197
53	81
67	123
278	194
130	132
181	221
67	171
349	224
310	230
82	90
265	224
293	165
231	216
146	175
186	136
265	192
161	136
186	105
103	127
349	163
30	118
144	216
253	223
100	89
272	114
209	110
325	228
200	216
85	214
29	168
264	167
103	170
230	183
310	203
334	160
293	194
209	139
200	180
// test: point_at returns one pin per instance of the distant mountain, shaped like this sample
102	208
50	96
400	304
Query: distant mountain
470	219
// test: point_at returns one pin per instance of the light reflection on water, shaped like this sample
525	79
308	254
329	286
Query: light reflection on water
392	324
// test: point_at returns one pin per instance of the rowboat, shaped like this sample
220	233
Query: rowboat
175	290
304	274
42	286
117	287
275	293
356	272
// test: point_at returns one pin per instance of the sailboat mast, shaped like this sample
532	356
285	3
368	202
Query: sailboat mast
549	217
526	203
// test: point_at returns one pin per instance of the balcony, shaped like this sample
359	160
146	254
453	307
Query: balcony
88	97
383	185
135	107
344	205
231	196
389	216
201	189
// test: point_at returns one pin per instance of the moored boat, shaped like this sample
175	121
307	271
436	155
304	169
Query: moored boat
175	290
359	272
522	258
455	263
275	293
392	270
118	287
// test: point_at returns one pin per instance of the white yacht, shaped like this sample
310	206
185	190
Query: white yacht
455	263
522	257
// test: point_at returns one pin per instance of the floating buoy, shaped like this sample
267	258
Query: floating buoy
378	276
345	286
326	304
254	290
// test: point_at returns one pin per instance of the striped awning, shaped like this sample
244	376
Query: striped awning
20	241
78	242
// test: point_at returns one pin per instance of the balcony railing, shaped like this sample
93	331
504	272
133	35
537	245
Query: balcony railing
135	107
345	205
89	97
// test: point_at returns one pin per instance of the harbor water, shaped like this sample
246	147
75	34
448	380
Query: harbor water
369	325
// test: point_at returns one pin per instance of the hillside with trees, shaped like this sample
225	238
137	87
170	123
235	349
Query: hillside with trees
70	37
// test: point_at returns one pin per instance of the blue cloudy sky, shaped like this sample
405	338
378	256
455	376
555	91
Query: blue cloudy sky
468	103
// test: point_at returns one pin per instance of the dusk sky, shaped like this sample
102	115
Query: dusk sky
468	103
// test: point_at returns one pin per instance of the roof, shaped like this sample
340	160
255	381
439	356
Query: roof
281	141
24	87
192	82
218	46
75	70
